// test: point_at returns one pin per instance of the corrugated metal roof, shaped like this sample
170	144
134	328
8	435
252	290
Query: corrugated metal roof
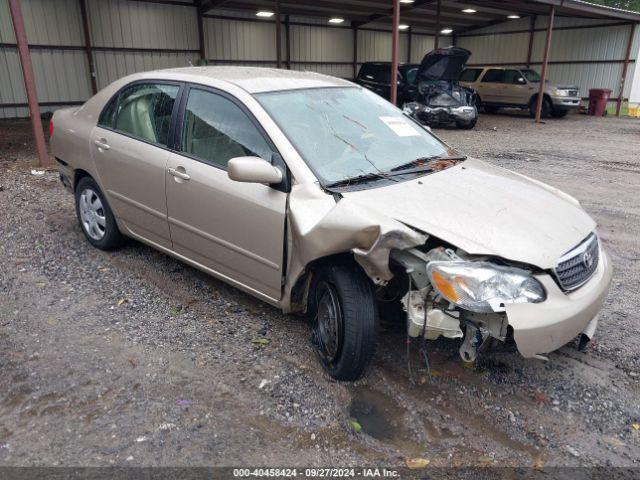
422	13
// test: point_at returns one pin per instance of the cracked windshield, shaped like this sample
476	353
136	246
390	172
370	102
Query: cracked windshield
349	135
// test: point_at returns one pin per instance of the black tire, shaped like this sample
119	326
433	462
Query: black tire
546	107
467	125
111	237
559	113
490	108
345	349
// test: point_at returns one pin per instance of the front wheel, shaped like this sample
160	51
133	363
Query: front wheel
467	125
345	318
546	107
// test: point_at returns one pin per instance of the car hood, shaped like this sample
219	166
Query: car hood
443	64
486	210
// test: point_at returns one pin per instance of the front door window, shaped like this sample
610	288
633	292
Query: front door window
215	130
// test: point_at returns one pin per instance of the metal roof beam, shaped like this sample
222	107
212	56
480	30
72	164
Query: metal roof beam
315	9
377	16
211	4
456	12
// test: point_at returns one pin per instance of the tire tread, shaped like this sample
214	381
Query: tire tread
360	313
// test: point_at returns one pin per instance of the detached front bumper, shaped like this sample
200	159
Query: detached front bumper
545	327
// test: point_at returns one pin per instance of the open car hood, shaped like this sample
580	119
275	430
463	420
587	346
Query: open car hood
486	210
443	64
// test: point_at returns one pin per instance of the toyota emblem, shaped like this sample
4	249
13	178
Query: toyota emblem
587	259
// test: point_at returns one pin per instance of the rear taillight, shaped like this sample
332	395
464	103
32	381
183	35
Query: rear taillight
51	128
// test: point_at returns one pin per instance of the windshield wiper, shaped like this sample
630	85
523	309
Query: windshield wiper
423	163
367	177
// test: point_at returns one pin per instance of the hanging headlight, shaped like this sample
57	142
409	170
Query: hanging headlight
482	286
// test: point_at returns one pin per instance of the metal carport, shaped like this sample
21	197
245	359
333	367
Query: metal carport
79	46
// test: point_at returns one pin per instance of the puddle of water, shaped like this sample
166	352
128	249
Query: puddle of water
381	418
447	371
378	414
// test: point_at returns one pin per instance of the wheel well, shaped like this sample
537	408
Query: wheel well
77	175
300	290
534	97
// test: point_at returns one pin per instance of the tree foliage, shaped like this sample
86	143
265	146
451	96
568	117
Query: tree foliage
624	4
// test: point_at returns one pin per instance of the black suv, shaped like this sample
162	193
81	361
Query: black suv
376	75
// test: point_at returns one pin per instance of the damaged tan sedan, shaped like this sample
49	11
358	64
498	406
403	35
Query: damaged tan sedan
318	196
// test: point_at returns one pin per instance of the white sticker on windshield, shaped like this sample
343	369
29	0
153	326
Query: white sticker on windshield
400	126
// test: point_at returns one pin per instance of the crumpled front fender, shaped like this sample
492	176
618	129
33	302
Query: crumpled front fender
319	226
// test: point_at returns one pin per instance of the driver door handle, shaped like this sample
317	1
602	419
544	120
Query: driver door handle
178	174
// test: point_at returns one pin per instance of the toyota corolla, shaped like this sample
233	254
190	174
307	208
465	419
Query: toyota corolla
319	197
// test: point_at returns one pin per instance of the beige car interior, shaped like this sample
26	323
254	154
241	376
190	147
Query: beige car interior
146	114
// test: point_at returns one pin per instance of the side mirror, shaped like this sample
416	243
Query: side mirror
521	81
253	170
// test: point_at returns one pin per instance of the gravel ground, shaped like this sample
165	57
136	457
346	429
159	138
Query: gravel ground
133	358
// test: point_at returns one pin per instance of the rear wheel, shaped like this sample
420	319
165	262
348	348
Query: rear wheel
345	317
95	216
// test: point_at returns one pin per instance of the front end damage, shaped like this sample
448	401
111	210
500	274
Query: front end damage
441	105
541	320
442	290
440	99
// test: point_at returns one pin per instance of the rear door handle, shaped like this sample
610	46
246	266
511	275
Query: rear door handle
177	173
102	144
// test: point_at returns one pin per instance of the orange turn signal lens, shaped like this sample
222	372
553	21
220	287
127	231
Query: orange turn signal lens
445	287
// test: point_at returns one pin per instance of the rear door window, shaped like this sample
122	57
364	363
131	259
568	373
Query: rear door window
143	111
470	74
493	75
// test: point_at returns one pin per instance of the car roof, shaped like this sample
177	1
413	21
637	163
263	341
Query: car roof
250	79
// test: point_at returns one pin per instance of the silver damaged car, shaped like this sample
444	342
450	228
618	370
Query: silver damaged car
319	197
